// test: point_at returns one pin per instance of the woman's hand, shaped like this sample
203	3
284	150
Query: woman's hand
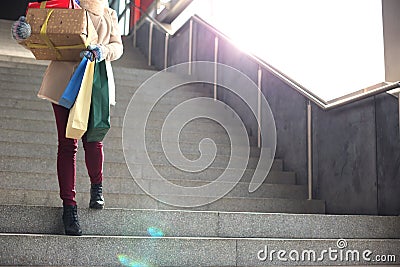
93	52
20	29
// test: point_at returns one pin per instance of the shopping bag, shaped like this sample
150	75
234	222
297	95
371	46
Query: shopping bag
111	83
68	98
99	117
55	4
79	113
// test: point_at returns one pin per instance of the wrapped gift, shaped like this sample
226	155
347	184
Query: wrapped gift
59	34
55	4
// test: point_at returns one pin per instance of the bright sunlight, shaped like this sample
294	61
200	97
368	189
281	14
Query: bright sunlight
331	47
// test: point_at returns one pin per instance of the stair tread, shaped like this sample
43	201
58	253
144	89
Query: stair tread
215	223
142	201
172	251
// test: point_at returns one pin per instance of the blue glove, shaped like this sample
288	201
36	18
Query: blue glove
20	29
93	52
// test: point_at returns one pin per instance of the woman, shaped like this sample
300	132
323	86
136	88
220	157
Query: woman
108	47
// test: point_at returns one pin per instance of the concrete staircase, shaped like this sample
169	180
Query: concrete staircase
135	229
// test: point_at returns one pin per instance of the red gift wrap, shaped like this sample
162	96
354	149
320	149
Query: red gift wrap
55	4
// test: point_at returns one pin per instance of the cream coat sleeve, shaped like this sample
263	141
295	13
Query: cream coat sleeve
114	49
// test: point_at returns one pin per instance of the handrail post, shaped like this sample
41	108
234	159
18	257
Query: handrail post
309	151
215	66
134	25
259	77
150	42
166	50
125	17
190	46
398	99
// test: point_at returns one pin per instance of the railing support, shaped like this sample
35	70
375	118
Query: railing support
309	151
134	26
259	78
166	50
215	66
190	46
150	43
398	99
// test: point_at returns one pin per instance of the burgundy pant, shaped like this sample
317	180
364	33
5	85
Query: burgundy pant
66	158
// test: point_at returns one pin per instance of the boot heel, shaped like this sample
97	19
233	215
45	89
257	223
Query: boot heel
96	197
71	221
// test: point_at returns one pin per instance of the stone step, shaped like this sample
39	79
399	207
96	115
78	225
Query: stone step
35	70
141	171
113	184
23	62
37	104
11	114
190	251
141	201
187	146
18	90
30	64
119	110
191	132
30	102
122	78
129	187
113	155
19	80
124	92
41	126
135	222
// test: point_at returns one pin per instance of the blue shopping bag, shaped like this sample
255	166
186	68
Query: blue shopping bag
71	91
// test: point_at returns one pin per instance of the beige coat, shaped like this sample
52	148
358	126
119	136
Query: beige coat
59	73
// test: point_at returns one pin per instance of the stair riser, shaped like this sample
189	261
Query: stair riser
151	145
47	220
80	251
193	132
52	199
190	133
45	250
42	105
128	186
155	117
125	89
138	171
43	126
13	92
24	74
34	151
19	62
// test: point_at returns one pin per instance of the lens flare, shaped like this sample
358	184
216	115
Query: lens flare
155	232
126	261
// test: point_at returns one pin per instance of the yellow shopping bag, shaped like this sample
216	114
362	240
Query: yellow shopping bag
79	113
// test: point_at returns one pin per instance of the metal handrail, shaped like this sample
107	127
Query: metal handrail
326	105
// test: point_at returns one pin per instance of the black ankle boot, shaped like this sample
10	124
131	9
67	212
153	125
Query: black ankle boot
70	220
96	197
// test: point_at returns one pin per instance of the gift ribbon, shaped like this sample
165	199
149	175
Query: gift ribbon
49	44
45	38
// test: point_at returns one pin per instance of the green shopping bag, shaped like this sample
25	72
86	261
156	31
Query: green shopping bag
99	116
